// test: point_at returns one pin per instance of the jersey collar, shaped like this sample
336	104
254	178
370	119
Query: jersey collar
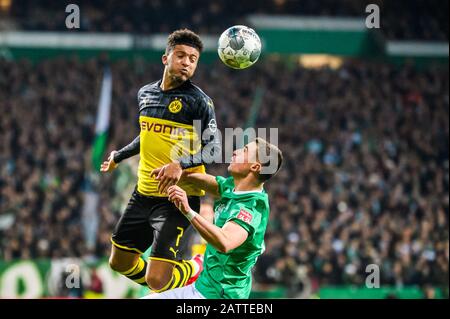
158	85
247	192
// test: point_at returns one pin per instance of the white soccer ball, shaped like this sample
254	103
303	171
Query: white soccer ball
239	47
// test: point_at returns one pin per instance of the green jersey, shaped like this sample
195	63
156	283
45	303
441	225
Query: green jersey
228	275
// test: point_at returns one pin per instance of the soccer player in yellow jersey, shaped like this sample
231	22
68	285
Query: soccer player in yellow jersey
168	109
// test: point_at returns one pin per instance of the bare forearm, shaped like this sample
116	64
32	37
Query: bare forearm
211	233
204	181
224	239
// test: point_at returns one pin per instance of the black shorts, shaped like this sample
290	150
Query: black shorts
157	222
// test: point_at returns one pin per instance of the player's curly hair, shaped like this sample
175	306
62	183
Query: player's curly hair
186	37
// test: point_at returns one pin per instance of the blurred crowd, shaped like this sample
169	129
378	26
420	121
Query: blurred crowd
365	177
45	130
411	20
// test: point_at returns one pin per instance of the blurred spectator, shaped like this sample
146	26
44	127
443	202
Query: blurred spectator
429	292
95	289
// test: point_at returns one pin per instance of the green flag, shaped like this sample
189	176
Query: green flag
102	121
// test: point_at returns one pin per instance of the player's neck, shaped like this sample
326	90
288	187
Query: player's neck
168	83
246	184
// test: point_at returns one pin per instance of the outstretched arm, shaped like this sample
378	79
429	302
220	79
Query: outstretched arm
115	157
204	181
128	151
224	239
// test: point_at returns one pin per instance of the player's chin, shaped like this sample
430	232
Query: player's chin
184	75
179	78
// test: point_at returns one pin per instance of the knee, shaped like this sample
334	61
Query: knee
155	282
114	264
118	265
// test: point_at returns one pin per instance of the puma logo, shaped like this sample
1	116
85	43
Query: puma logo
175	252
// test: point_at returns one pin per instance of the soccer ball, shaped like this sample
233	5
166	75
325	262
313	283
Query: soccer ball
239	47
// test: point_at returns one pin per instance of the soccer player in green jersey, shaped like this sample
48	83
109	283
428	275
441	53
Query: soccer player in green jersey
235	231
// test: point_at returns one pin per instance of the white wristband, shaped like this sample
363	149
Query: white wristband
191	214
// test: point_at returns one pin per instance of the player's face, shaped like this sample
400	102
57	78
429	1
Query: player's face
244	160
181	62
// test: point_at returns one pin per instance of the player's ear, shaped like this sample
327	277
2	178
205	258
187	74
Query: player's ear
164	59
256	168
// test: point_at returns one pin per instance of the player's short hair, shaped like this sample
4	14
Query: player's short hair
273	155
185	37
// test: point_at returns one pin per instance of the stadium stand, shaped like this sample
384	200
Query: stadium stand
418	20
365	180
